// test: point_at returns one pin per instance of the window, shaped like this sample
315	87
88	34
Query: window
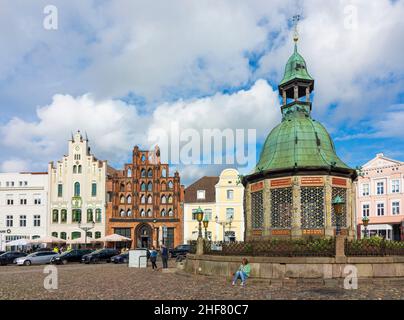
163	213
129	213
77	189
74	169
150	173
63	235
149	199
143	187
125	232
37	220
98	215
122	213
60	190
63	216
129	200
229	213
23	221
10	202
129	173
163	199
149	186
93	189
149	213
200	194
90	217
143	173
9	221
365	210
142	213
170	199
170	212
23	201
122	199
395	205
170	185
142	199
208	214
164	173
97	234
163	186
37	199
79	169
230	194
194	214
395	186
380	209
76	235
76	217
54	234
380	188
55	216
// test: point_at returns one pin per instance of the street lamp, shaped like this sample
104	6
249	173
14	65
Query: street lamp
199	217
338	205
205	225
86	229
365	221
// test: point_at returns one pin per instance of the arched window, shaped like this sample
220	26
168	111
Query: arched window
79	169
76	215
54	234
89	234
122	187
143	173
129	213
128	187
74	169
97	234
143	186
170	185
77	189
129	199
98	215
149	213
143	158
63	216
163	199
76	235
142	213
150	173
163	213
122	199
149	199
90	217
163	186
129	173
150	186
170	213
142	199
170	199
63	235
55	216
164	173
122	213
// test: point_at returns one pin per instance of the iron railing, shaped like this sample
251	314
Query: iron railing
374	247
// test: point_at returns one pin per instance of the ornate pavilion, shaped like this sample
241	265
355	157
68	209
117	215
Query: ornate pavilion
290	192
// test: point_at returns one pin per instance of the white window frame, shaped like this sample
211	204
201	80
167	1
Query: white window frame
199	192
366	204
392	207
230	191
382	186
377	209
363	189
392	186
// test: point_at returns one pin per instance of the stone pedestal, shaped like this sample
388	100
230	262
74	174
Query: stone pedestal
340	248
199	246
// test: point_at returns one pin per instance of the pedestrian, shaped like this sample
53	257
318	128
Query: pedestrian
56	249
243	272
164	255
153	258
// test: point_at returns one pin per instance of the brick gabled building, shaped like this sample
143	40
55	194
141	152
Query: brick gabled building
145	202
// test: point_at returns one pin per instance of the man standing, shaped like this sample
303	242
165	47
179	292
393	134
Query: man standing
164	256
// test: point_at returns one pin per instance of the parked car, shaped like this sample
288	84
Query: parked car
99	256
180	250
9	257
41	257
70	256
121	258
1	252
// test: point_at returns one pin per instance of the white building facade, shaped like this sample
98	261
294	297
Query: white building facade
77	192
23	206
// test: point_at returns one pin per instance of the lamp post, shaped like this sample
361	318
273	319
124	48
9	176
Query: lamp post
338	205
205	225
365	221
223	224
86	229
199	217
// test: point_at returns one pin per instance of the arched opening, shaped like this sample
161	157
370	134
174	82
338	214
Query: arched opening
79	169
149	186
164	173
122	199
170	185
143	186
142	199
170	213
122	213
142	213
163	186
74	169
163	199
144	235
77	189
129	199
129	173
143	173
170	199
149	199
149	213
150	173
163	213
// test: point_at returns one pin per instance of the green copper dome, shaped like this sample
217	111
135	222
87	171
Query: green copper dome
298	142
295	69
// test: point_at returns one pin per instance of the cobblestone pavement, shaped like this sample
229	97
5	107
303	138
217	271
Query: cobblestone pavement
108	281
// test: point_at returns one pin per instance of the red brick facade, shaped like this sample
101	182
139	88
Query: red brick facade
143	200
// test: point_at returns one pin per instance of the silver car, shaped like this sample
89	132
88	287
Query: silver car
41	257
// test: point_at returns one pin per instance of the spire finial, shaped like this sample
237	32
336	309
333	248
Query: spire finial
295	20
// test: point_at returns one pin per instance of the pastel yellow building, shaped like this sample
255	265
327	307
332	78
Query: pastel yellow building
221	199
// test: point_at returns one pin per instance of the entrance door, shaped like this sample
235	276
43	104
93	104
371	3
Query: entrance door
143	236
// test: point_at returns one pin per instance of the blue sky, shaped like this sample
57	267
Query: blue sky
119	69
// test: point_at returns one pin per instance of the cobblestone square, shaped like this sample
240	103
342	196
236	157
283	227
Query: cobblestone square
108	281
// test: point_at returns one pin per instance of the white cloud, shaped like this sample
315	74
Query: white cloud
14	165
115	127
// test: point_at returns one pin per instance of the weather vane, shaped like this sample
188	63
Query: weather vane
295	20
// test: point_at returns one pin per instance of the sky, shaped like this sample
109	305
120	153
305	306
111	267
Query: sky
120	70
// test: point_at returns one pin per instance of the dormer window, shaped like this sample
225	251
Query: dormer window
200	194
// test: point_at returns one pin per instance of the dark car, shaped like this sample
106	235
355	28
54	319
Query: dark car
70	256
1	252
99	256
9	257
121	258
180	250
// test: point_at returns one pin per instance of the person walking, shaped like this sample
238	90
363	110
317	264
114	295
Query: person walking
243	272
164	255
153	258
